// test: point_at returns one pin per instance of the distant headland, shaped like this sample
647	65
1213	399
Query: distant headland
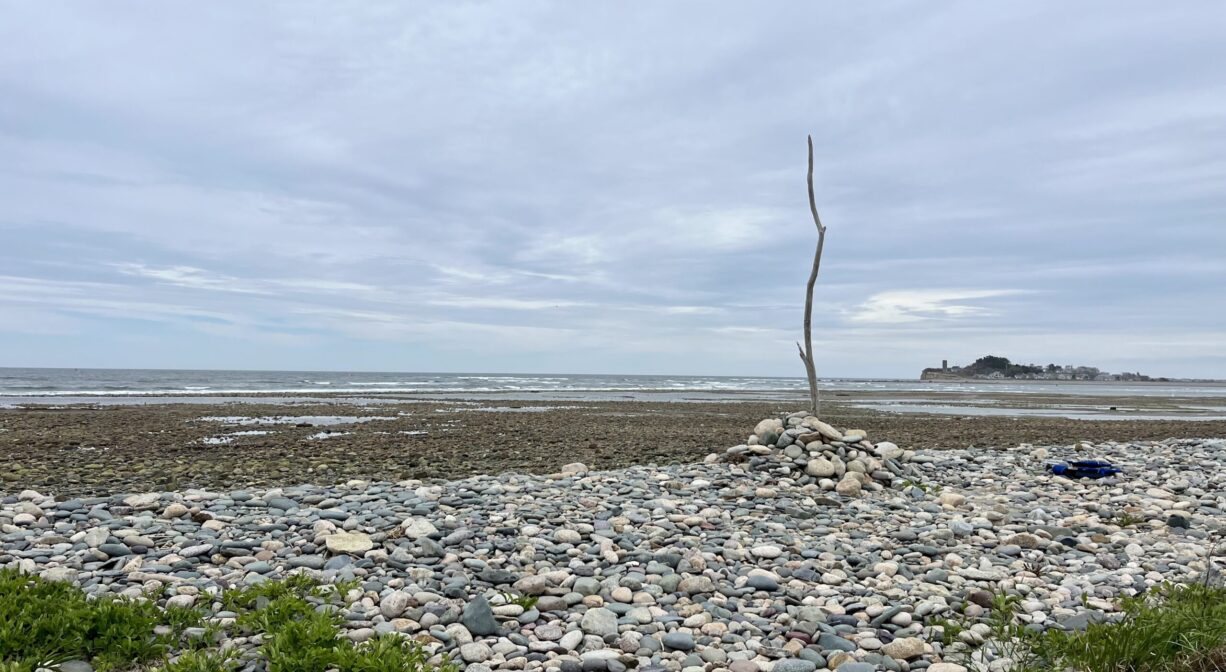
991	367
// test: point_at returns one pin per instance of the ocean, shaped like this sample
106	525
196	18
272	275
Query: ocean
42	382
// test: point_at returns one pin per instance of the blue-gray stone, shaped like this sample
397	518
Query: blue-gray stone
283	503
679	641
760	582
478	617
834	643
115	550
338	562
307	561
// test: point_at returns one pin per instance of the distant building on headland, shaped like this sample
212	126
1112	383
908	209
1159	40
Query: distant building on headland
992	367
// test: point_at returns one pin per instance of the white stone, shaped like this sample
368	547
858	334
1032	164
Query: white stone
904	648
348	542
416	528
769	425
574	469
766	551
571	640
887	451
850	486
951	500
824	429
476	652
143	501
820	467
599	621
60	574
565	536
394	604
96	536
181	601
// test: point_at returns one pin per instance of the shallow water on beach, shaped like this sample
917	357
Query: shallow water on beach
1056	411
293	419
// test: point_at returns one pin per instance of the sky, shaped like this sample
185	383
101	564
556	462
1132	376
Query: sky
610	188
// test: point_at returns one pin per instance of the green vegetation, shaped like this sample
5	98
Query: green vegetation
525	601
204	661
926	488
1172	629
993	366
46	623
1128	520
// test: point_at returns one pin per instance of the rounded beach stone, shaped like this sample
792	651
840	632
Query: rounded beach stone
348	542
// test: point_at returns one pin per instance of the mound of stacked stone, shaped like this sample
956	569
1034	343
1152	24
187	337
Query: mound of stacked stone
808	451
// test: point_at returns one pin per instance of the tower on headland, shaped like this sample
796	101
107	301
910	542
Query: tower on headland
944	364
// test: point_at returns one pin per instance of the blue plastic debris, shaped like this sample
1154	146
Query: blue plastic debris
1084	469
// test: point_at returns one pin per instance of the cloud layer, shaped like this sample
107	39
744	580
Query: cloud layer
544	187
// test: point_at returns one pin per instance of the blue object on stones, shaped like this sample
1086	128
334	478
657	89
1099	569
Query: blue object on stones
1084	469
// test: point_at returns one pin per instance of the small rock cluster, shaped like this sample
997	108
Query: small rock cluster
807	450
760	559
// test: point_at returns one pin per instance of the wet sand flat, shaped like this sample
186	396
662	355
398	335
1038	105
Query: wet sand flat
78	449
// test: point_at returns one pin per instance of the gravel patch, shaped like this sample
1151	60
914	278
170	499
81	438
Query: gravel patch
746	561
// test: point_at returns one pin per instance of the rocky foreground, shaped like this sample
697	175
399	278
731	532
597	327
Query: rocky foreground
807	547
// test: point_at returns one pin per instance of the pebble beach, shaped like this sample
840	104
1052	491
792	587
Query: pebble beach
803	547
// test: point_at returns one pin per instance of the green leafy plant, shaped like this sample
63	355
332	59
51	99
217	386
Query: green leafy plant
525	601
927	488
204	661
296	585
1171	629
387	653
45	623
1128	520
950	630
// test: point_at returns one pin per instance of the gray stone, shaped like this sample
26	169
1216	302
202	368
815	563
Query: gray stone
599	621
679	641
829	642
760	582
478	617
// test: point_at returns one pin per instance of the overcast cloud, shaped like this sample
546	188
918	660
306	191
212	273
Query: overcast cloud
583	187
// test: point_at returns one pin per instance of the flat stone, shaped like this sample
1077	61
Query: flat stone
142	502
348	542
599	621
904	648
416	528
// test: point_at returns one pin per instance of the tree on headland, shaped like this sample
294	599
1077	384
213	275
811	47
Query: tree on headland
806	353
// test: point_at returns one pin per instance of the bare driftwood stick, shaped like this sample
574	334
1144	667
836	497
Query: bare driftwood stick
806	353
